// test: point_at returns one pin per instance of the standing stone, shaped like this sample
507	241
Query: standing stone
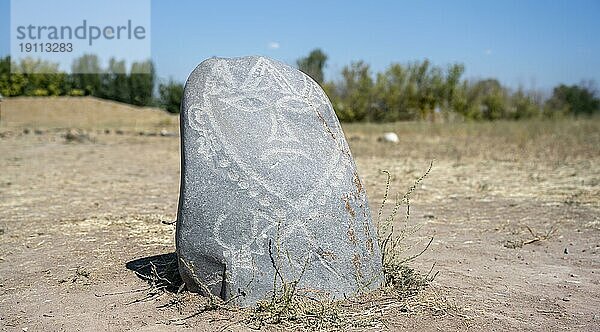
267	176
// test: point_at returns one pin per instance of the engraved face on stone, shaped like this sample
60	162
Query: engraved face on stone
260	120
265	166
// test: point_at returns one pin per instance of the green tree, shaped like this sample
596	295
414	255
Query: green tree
6	88
35	77
392	94
462	101
425	88
355	93
486	100
524	105
141	83
116	82
170	95
86	70
450	87
313	65
574	100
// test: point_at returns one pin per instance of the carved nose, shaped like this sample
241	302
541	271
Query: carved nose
280	131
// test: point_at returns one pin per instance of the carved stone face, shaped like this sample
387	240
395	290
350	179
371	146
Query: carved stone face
261	125
264	159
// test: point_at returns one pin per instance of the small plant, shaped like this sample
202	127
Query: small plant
398	276
290	307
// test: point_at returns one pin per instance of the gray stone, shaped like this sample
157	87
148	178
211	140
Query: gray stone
267	176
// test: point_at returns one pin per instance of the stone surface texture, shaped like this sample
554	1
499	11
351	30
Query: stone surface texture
267	176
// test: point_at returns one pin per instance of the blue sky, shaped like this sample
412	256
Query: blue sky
535	44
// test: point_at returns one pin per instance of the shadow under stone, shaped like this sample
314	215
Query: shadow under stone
159	271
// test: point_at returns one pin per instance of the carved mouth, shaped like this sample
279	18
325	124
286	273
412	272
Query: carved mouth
283	153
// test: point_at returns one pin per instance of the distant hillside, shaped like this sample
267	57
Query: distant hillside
81	112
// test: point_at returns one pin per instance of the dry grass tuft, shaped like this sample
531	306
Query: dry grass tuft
291	307
535	237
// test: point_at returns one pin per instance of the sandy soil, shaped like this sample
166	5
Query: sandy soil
78	219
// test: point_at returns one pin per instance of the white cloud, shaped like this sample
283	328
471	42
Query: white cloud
488	51
273	45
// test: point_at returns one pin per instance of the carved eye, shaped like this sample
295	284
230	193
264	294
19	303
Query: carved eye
249	104
294	105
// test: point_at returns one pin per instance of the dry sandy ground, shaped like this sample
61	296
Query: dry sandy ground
77	219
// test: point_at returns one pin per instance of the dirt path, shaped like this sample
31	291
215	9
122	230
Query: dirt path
76	220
